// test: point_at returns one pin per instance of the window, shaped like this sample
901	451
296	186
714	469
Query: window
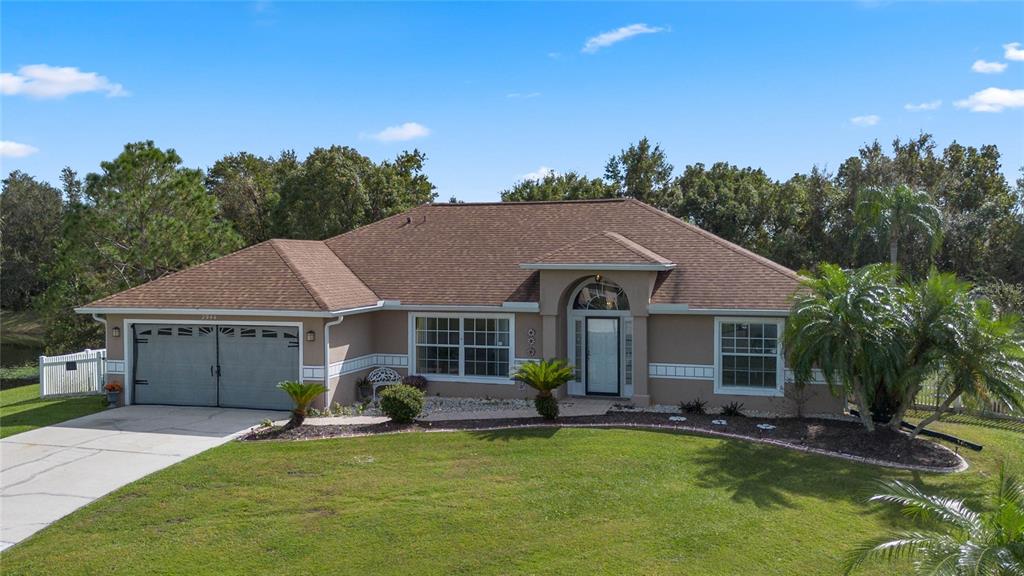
486	346
470	346
749	356
437	345
601	296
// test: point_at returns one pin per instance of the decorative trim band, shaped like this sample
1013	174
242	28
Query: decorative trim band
115	366
681	371
356	364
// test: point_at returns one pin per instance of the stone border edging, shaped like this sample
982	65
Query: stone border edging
964	465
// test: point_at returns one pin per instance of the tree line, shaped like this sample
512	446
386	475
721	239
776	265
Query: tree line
145	214
820	216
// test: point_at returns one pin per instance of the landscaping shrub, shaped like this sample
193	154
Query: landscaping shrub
547	406
402	403
696	406
544	377
733	409
416	381
302	395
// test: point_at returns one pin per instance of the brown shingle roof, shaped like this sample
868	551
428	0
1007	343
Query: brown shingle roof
470	254
300	275
603	248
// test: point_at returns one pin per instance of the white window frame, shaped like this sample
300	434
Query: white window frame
780	367
462	316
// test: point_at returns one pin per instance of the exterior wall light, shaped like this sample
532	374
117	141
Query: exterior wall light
310	336
115	332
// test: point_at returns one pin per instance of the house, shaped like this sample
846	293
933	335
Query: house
648	308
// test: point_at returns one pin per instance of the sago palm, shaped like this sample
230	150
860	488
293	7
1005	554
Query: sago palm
958	541
302	394
545	377
849	325
893	213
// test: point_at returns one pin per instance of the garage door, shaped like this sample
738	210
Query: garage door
214	365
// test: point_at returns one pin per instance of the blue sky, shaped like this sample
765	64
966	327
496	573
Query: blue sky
494	92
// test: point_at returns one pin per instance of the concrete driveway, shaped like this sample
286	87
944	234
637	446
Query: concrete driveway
47	473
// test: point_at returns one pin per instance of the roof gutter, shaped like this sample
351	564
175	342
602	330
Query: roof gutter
206	311
653	267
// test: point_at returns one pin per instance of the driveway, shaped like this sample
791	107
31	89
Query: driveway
47	473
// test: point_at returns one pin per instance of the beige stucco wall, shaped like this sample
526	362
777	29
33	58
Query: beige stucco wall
387	332
678	339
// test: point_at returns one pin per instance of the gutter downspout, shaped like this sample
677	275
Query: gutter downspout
103	321
327	359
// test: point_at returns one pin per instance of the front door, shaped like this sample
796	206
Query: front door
602	373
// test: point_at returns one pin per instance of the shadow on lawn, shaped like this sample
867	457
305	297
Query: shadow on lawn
768	479
513	434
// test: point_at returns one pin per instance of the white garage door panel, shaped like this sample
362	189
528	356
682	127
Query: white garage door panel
175	364
253	360
206	365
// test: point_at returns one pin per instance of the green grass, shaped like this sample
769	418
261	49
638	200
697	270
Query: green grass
22	328
515	502
21	409
19	372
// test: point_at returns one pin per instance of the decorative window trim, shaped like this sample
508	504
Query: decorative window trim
780	367
462	316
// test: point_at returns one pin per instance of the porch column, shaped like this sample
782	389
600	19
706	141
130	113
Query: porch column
549	336
549	333
641	396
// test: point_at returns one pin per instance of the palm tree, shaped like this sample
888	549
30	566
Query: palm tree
962	542
937	306
982	361
848	324
892	213
302	394
544	377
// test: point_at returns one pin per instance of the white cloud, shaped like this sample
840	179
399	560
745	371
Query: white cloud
867	120
10	149
44	81
401	133
1013	51
606	39
984	67
539	173
522	95
992	100
923	106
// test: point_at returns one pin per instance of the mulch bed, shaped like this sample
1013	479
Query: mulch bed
839	437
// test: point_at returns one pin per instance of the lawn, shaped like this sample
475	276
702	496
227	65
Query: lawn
21	409
523	502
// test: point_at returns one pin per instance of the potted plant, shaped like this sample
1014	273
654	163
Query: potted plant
113	390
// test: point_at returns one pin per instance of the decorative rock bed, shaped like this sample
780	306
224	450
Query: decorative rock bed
836	438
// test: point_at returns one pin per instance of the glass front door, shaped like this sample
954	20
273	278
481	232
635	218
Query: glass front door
602	373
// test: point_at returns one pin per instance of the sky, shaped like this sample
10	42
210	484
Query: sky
495	93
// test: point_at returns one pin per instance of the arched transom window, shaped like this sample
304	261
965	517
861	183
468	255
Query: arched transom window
601	296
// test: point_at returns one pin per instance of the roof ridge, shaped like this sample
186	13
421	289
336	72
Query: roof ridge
523	202
313	293
722	241
176	272
568	245
636	247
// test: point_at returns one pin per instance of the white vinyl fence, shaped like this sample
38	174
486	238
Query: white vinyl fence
79	373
